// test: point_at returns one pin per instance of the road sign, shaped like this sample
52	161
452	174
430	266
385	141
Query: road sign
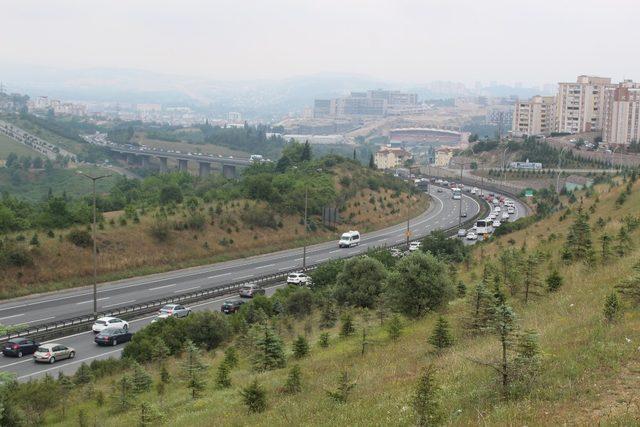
407	234
528	193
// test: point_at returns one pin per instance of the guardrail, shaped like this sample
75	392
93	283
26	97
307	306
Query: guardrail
79	323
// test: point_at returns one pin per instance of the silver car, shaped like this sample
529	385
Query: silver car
175	310
50	353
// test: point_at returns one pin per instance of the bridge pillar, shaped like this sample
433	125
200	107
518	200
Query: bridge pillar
182	165
205	169
163	164
144	161
229	171
131	159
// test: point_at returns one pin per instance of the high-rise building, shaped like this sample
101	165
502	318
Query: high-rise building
580	104
370	103
535	116
621	114
500	116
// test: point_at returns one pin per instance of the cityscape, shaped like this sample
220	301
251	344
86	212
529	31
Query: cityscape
319	213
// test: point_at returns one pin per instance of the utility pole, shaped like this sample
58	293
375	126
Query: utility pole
408	233
93	237
304	247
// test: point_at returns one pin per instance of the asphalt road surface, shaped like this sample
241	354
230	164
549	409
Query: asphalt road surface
442	213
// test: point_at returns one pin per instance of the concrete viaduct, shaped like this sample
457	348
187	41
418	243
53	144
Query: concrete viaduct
142	156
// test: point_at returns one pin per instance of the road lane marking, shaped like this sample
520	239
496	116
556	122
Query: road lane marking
219	275
40	320
162	287
88	301
244	277
286	268
119	303
337	250
187	289
323	259
11	317
264	266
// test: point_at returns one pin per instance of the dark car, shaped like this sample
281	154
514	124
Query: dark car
18	347
231	306
113	336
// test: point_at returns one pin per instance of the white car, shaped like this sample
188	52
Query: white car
414	246
462	232
497	209
511	210
493	216
496	224
472	236
505	216
298	279
109	322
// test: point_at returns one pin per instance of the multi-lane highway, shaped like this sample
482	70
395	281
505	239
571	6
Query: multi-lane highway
442	213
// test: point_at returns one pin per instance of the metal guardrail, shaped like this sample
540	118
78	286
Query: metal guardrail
57	328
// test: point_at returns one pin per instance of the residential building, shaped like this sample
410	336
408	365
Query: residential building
535	116
322	108
370	103
391	158
500	116
234	117
580	104
621	114
443	156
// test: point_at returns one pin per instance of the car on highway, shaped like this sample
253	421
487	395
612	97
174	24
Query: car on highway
175	310
472	236
497	209
113	336
52	352
396	253
414	246
349	239
463	214
108	322
231	306
511	210
298	279
462	232
18	347
496	224
249	291
439	190
505	216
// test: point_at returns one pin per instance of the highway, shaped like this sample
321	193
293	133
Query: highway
442	213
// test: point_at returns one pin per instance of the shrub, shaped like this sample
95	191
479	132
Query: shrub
299	303
80	238
259	216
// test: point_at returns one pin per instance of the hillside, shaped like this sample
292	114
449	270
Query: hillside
8	146
585	373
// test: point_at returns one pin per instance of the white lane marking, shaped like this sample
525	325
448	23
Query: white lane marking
337	250
11	317
187	289
119	303
70	363
264	266
45	301
88	301
285	268
162	287
323	259
219	275
40	320
244	277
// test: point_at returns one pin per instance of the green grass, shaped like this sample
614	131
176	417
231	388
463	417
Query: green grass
8	145
589	372
35	185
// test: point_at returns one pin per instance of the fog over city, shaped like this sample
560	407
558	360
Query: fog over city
402	41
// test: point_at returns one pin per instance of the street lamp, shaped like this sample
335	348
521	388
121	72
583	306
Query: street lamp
504	166
93	237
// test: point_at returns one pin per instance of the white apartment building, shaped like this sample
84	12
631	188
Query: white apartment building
621	114
391	158
580	104
535	116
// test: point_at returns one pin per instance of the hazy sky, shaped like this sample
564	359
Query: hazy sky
529	41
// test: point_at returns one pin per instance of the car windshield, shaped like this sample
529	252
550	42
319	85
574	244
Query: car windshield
44	349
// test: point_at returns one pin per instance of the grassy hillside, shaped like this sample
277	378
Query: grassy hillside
8	145
589	368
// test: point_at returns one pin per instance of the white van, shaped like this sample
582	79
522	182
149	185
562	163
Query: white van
349	239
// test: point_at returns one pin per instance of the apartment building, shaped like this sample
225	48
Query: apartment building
580	104
369	103
443	156
536	116
391	158
621	113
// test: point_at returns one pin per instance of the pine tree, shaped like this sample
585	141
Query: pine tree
504	326
300	347
425	401
526	365
372	162
394	327
344	388
441	337
605	247
148	415
223	379
328	316
482	309
123	393
629	288
461	289
323	341
293	384
193	370
231	357
623	242
83	375
254	397
347	327
531	276
165	377
269	353
306	152
66	386
578	246
554	281
141	379
611	308
83	420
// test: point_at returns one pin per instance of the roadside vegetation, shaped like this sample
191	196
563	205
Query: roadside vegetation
533	327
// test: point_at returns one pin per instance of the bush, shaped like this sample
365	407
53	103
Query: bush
299	303
80	238
360	282
259	216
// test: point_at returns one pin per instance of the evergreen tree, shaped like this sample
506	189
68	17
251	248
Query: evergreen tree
372	162
305	155
504	326
223	379
532	280
347	327
83	375
148	414
425	401
328	316
323	341
526	365
141	379
293	384
605	247
461	289
623	242
611	308
300	347
123	393
165	377
578	246
231	357
83	420
66	386
344	388
554	281
441	337
630	287
254	397
511	266
481	309
394	327
193	370
269	353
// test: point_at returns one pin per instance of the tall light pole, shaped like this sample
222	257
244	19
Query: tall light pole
93	237
304	247
559	170
504	166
